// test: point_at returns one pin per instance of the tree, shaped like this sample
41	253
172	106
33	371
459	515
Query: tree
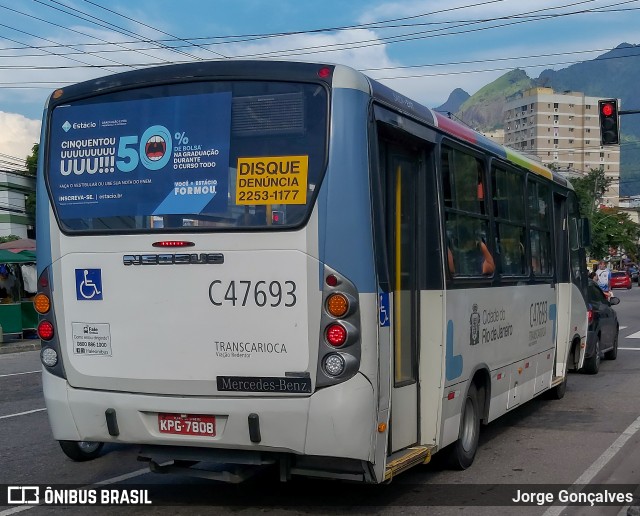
613	229
590	190
31	163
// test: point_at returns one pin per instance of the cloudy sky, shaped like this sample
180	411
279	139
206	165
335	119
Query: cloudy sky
424	49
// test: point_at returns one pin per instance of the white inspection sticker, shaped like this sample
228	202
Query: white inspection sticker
91	339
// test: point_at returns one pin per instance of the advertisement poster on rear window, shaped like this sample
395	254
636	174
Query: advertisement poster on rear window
157	156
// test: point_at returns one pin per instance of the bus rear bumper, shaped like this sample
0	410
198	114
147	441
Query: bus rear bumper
337	421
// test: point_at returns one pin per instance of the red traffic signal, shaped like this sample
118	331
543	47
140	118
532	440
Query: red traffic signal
609	126
607	109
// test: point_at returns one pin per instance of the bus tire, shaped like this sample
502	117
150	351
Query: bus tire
558	392
81	451
463	451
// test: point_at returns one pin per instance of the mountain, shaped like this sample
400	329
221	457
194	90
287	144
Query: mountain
484	107
614	74
453	103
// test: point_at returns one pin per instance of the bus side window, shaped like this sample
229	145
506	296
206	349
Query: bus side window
508	209
466	222
467	251
539	227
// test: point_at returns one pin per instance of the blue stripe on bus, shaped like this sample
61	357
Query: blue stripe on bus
43	236
344	201
453	363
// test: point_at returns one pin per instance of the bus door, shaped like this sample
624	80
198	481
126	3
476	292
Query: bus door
562	276
402	166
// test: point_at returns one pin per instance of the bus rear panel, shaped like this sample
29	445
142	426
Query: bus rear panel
195	302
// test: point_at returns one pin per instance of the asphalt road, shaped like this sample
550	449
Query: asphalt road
592	436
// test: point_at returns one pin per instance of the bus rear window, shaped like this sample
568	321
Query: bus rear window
196	156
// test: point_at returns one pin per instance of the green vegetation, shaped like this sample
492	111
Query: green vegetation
610	227
31	163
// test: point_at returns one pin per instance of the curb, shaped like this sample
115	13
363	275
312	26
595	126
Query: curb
20	346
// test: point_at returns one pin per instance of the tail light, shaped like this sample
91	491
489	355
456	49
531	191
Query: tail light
590	315
45	330
336	334
44	305
339	350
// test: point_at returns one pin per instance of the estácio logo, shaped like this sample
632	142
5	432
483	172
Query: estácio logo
84	125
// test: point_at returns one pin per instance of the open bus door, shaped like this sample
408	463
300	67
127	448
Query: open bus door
561	277
402	221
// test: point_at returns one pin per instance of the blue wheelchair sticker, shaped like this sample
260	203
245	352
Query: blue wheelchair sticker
384	309
89	284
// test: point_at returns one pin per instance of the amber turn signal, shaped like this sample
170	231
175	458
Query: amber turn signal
41	303
337	305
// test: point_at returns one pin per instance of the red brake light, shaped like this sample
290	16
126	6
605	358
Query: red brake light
336	334
173	243
45	330
589	315
332	280
324	72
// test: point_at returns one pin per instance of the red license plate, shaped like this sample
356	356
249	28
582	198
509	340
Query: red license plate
187	424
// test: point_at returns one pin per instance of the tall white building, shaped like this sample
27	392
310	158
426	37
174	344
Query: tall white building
561	129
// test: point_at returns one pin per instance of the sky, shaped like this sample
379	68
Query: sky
423	49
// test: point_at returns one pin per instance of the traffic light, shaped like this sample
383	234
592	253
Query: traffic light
609	127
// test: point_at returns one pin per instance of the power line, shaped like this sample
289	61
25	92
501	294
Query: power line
392	38
600	58
154	28
63	27
107	26
377	24
416	35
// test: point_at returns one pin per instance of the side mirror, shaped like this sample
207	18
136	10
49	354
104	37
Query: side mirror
614	300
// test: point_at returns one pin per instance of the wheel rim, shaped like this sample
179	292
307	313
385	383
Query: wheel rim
88	446
468	426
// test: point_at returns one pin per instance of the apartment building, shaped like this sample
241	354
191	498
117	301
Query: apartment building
14	220
561	129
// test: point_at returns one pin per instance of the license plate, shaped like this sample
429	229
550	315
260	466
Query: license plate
187	424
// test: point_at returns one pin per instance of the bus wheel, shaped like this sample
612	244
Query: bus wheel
81	451
557	393
463	451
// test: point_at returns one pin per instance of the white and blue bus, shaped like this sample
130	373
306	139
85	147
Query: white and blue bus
259	264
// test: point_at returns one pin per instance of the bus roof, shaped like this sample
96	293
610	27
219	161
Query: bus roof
460	131
265	69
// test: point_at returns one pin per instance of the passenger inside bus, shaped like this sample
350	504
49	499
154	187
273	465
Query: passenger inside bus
468	254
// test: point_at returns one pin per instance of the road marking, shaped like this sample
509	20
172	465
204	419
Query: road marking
23	413
630	349
623	327
17	374
635	335
598	464
108	481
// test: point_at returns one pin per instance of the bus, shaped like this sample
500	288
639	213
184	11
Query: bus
261	264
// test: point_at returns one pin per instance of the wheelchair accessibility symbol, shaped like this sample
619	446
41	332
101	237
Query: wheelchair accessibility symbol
89	284
384	309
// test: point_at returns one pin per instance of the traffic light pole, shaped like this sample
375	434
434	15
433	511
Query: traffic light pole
629	112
